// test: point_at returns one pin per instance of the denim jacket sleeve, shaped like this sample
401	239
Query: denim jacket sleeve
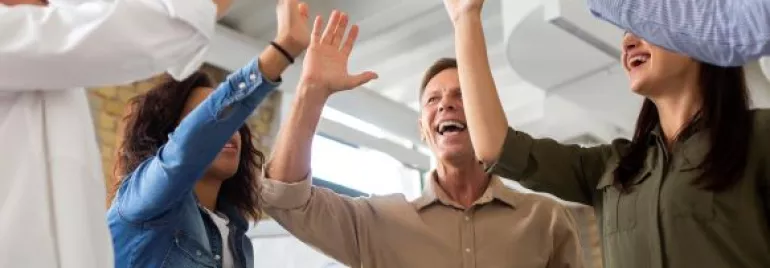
163	180
726	33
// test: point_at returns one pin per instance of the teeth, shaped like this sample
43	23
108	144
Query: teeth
450	123
639	59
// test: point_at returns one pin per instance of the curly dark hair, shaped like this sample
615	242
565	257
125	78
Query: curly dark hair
152	116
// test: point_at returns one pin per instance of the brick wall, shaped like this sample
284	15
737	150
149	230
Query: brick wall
108	104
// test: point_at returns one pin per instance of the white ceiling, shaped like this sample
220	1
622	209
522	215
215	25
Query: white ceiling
555	66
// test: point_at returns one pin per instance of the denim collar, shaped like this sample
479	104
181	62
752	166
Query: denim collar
233	215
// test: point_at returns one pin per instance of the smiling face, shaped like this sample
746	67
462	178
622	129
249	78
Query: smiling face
442	118
651	69
225	164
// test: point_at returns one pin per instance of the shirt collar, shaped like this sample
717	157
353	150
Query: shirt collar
692	141
694	126
433	193
231	212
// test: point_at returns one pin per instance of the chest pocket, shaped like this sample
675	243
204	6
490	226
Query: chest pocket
620	208
186	252
683	199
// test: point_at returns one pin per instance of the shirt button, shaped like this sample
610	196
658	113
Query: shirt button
253	77
242	85
467	218
216	257
468	250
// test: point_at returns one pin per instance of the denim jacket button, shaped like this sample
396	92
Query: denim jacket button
198	252
253	77
242	85
217	257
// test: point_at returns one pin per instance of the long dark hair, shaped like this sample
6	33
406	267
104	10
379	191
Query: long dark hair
726	117
154	115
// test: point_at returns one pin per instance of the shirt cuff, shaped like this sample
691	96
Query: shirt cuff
201	14
243	82
284	195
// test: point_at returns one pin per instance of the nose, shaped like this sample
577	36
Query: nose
446	104
630	41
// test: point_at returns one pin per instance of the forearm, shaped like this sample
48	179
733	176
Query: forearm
290	161
486	118
273	63
164	178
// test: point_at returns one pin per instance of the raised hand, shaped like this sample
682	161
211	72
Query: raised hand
326	63
293	29
458	8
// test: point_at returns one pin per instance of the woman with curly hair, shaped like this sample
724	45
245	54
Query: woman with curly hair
188	167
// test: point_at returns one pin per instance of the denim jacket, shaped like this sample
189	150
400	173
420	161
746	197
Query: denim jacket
155	219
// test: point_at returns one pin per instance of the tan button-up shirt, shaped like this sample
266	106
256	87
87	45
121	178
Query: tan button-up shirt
503	228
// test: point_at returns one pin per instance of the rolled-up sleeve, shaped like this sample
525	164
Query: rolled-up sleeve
97	43
569	172
318	216
726	33
283	195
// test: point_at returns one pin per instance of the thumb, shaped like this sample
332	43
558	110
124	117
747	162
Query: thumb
355	81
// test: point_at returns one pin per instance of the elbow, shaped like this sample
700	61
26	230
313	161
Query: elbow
487	157
488	147
487	153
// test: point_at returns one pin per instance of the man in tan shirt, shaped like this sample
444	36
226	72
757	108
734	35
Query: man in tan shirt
465	218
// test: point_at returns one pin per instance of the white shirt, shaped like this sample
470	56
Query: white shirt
221	221
52	192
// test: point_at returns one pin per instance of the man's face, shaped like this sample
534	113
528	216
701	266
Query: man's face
442	118
24	2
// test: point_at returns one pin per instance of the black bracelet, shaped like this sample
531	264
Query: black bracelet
283	51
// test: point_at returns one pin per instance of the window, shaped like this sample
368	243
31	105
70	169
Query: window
348	170
362	169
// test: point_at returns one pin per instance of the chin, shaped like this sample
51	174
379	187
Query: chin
453	155
640	87
222	171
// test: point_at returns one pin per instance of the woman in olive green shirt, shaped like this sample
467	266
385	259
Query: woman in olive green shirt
691	189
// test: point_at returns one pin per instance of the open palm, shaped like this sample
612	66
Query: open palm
326	62
293	30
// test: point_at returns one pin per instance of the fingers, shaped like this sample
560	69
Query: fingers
360	79
352	36
315	37
303	10
287	3
339	30
328	34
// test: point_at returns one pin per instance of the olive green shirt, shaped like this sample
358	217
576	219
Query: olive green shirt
662	220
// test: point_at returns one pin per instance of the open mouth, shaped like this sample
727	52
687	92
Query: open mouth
450	126
638	60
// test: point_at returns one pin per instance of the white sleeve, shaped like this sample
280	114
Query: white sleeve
102	42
